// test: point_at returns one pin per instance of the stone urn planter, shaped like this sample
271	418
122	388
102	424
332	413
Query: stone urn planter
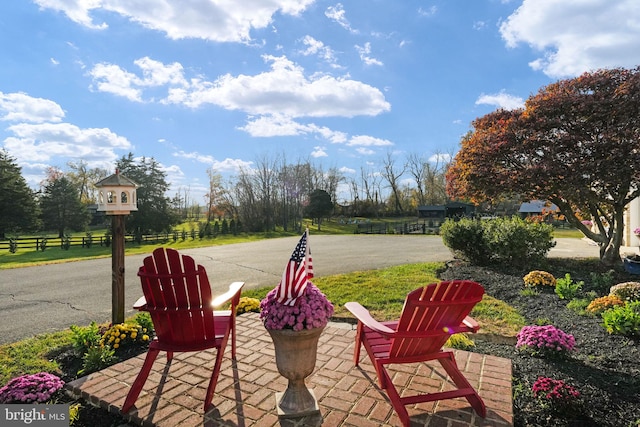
296	359
295	313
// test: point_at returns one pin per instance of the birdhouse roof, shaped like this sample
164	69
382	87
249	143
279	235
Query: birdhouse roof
116	180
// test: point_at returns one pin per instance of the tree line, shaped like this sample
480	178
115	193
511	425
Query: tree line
274	194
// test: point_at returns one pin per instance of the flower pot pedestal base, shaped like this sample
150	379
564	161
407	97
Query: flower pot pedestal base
296	402
296	360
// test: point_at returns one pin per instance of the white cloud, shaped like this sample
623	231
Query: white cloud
76	10
368	141
501	100
347	171
113	79
479	25
316	47
365	151
280	125
319	152
216	20
337	14
46	141
226	165
577	36
440	158
364	52
284	90
38	138
20	107
430	11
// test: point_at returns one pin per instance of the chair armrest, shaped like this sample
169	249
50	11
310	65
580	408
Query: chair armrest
233	293
363	315
471	323
141	304
468	325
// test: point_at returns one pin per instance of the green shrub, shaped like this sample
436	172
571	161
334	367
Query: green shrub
623	320
465	238
13	245
601	282
579	306
627	291
566	288
96	358
529	292
144	320
517	241
510	240
460	341
85	337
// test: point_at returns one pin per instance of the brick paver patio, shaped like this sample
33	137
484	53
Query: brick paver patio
245	396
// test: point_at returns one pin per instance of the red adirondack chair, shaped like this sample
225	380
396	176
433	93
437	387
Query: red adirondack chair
177	295
429	316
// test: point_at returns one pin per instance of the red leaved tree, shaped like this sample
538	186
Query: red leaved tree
576	144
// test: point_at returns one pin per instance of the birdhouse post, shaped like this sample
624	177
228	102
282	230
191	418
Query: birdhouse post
117	197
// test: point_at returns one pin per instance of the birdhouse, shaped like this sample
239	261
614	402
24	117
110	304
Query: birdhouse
117	195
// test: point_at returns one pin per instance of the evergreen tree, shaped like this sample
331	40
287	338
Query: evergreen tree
154	212
61	207
18	207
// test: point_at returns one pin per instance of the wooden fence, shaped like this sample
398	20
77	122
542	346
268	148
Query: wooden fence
44	242
397	227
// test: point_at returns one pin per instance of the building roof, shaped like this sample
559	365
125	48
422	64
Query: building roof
537	206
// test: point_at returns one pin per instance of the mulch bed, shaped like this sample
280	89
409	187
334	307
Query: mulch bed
605	368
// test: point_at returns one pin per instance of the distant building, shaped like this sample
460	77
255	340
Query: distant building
451	210
537	207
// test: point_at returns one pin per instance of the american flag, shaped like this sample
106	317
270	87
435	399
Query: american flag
298	271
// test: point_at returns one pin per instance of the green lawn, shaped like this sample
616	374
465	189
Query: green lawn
382	291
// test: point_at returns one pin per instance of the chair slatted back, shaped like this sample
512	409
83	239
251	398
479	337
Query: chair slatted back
178	296
429	312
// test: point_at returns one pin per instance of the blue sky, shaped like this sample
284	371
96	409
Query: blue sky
222	84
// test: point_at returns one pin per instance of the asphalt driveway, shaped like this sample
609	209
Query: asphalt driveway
50	298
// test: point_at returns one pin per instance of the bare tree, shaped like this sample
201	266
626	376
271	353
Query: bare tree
417	165
392	174
84	179
215	194
435	178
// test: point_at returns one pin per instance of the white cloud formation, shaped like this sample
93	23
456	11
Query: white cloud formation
38	138
430	11
284	89
20	107
577	36
501	100
316	47
113	79
280	125
45	141
216	20
368	141
319	151
226	165
364	52
337	14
